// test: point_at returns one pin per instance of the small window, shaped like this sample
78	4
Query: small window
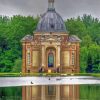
51	23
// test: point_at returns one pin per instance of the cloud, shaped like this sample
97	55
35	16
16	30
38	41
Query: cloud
67	8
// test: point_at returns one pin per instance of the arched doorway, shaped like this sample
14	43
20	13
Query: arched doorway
51	58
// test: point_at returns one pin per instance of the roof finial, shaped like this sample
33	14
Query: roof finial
50	4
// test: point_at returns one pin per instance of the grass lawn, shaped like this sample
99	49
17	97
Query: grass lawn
47	74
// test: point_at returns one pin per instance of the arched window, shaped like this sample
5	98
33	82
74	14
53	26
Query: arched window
73	58
50	59
28	58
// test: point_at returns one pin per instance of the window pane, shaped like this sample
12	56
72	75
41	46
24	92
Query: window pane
50	60
28	59
73	58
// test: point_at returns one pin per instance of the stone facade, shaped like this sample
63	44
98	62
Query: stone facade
65	49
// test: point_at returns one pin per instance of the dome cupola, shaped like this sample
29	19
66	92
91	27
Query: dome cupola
51	21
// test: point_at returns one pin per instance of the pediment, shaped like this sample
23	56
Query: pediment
56	39
51	39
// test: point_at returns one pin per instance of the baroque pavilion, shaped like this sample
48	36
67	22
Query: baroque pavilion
50	49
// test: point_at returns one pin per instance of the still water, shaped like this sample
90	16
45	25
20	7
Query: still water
61	92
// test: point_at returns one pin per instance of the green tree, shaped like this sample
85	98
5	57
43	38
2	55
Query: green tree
17	66
12	30
76	27
86	41
89	68
83	58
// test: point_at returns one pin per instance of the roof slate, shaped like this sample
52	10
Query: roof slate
73	38
27	38
51	21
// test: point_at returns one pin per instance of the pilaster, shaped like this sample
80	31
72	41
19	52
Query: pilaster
43	56
24	58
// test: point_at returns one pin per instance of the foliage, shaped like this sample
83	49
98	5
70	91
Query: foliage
17	65
87	29
13	29
89	92
11	93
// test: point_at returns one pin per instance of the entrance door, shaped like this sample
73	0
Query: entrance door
51	58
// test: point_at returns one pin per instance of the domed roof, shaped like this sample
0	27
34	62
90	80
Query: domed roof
51	21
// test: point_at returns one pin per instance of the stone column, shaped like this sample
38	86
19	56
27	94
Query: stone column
24	58
43	93
58	92
43	56
58	56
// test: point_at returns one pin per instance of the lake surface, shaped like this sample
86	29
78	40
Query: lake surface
32	81
86	92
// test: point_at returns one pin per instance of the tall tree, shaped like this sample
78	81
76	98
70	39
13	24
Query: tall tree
89	68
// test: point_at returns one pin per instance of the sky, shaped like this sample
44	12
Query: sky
66	8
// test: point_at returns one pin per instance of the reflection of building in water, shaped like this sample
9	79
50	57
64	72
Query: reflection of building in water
51	49
65	92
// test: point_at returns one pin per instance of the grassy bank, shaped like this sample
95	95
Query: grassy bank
47	74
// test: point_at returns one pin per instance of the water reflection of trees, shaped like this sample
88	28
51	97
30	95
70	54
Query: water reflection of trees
89	92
